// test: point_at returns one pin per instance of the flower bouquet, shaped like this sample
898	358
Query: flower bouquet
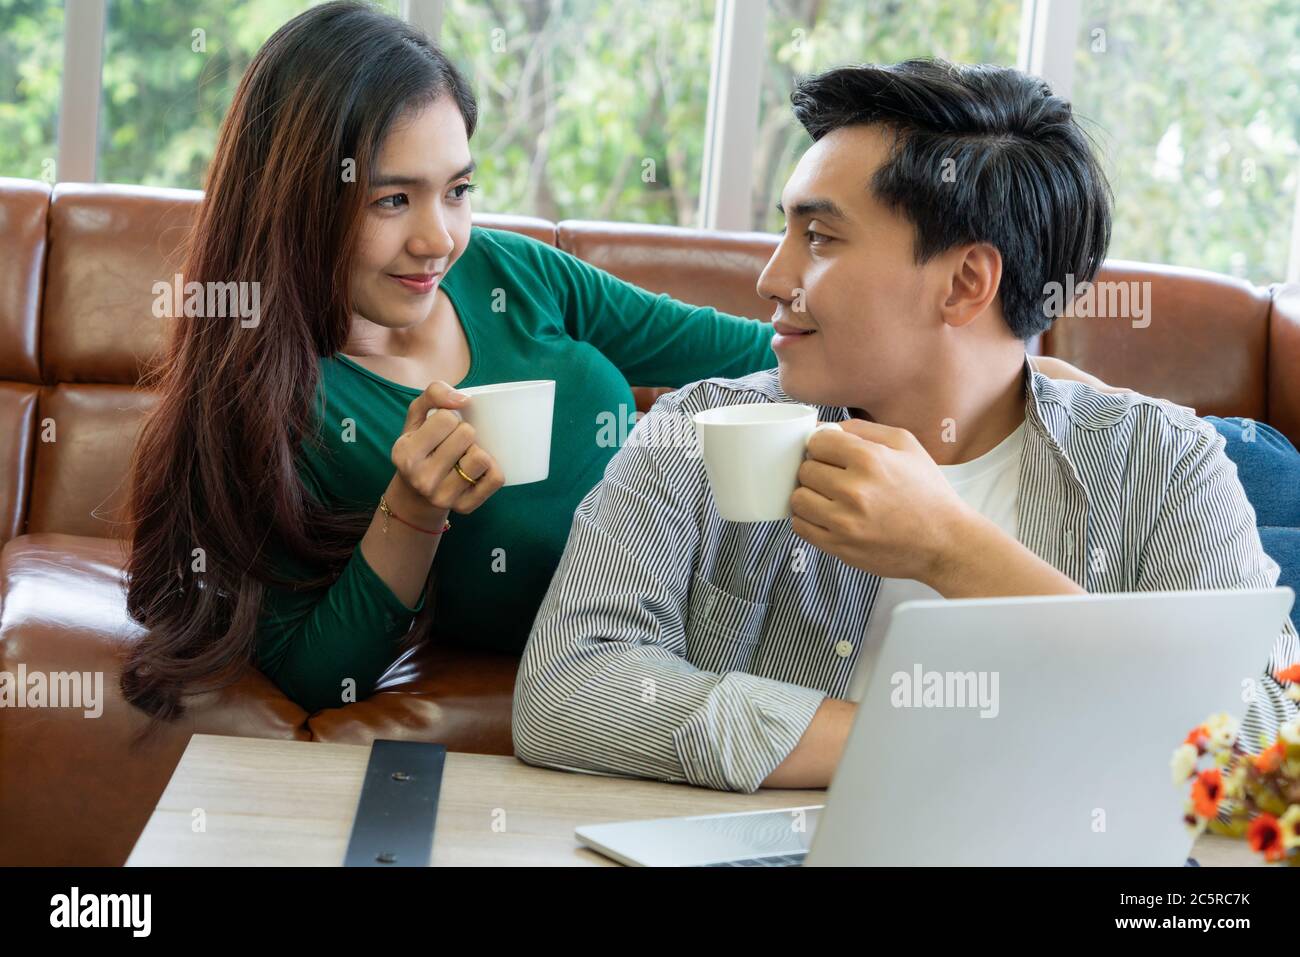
1256	796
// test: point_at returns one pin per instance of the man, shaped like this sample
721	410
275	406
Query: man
927	226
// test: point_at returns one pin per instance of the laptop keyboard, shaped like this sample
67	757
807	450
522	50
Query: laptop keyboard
779	860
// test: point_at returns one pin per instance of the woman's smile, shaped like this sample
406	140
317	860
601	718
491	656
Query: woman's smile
421	284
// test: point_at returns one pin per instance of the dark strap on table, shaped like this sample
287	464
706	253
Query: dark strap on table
398	805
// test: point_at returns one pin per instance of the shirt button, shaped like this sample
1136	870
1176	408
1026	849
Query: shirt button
1069	540
844	648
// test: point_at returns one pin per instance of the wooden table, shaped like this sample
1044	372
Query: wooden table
264	802
292	803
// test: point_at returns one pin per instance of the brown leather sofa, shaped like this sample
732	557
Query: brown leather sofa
77	263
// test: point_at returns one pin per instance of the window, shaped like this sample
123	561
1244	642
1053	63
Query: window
31	67
589	109
1196	110
170	72
599	109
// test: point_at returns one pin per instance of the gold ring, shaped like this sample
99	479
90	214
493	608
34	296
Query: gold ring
461	473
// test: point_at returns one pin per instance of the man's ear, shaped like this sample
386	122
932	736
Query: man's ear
973	282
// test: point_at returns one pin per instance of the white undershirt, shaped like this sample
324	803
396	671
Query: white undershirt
988	484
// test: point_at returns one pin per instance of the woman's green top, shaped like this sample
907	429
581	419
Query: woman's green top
529	311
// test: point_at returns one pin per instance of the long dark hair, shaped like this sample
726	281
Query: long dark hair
214	467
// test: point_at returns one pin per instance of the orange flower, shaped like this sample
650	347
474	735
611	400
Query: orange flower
1287	675
1198	736
1265	837
1270	760
1206	791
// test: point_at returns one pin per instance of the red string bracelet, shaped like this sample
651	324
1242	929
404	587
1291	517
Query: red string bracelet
389	513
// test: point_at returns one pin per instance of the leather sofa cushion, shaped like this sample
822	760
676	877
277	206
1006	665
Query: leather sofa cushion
83	787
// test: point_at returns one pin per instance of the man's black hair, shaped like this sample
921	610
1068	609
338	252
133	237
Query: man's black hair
1022	176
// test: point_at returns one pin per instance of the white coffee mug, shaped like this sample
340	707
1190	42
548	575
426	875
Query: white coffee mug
752	454
512	423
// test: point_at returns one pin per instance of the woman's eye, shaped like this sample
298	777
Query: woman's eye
459	192
383	203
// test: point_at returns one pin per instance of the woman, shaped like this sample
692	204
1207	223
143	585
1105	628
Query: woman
289	494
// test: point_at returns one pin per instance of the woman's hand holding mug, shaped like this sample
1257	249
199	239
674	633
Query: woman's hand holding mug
437	459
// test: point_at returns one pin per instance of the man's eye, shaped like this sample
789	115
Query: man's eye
817	239
382	203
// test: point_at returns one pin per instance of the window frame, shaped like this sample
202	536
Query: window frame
1048	35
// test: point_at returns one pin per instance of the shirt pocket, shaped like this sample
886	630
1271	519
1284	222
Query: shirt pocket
722	630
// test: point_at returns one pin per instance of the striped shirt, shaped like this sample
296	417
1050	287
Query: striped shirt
677	646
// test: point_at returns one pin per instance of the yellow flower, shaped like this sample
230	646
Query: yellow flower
1222	729
1183	763
1233	783
1290	826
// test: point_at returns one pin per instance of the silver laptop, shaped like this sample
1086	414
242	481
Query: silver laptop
1006	731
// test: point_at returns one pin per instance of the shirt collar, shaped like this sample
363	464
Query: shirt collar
1046	416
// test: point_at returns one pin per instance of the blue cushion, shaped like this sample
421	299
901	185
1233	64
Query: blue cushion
1268	466
1269	469
1283	546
